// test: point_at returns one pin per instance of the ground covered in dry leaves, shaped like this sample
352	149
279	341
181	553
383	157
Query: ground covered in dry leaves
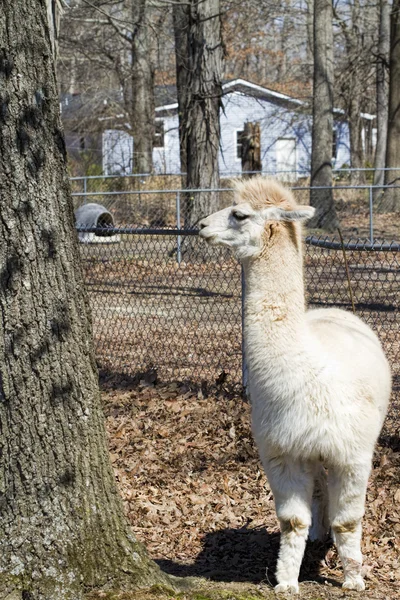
196	495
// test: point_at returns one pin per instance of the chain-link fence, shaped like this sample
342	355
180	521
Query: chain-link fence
164	301
363	210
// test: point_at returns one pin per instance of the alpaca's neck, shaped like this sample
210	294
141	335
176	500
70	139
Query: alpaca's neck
274	301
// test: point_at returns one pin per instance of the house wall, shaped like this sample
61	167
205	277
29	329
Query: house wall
276	123
166	159
117	152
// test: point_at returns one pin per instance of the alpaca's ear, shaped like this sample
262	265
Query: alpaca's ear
301	213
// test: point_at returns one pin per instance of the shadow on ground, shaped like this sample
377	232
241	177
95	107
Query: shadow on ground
245	555
123	381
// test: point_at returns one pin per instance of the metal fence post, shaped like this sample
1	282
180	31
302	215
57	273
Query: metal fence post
178	226
244	364
371	216
84	189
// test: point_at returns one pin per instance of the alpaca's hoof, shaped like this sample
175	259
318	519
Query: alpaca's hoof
292	587
354	584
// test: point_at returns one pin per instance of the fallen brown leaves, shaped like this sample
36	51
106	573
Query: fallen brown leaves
195	493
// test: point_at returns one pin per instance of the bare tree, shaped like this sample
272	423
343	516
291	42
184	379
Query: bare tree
393	137
382	87
142	90
120	60
181	22
199	96
356	45
322	130
62	525
389	200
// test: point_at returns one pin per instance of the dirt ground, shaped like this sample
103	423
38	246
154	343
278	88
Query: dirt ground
168	342
196	495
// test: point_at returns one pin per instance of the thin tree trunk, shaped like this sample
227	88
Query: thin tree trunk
251	149
54	12
382	92
353	85
393	139
181	34
310	33
62	526
322	131
355	127
142	109
390	201
199	103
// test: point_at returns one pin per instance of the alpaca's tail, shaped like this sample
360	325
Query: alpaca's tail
319	529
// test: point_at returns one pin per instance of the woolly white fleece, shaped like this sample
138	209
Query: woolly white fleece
319	382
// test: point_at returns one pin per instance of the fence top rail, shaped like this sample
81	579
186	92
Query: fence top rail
330	243
109	231
333	244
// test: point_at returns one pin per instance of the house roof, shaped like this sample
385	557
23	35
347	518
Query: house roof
248	88
245	87
104	104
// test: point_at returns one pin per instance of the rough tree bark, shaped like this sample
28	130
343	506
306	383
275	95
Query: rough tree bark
180	14
142	82
62	526
251	149
354	94
357	177
390	201
382	88
54	12
199	103
322	130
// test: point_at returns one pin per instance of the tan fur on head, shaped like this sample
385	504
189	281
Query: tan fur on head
261	191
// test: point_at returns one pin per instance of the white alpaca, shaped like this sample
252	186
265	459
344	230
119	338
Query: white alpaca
319	381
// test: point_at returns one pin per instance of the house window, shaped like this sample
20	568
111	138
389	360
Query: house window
159	134
239	143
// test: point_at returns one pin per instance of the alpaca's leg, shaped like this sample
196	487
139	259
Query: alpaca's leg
347	488
292	485
320	517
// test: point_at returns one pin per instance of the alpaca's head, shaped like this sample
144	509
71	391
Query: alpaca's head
246	225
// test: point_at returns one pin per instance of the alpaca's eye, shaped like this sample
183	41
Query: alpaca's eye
239	216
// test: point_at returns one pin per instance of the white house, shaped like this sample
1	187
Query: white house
285	127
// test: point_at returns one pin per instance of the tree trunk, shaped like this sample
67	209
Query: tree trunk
382	92
322	131
355	126
251	149
54	12
199	103
390	201
181	26
393	136
393	140
354	93
353	77
62	526
142	110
